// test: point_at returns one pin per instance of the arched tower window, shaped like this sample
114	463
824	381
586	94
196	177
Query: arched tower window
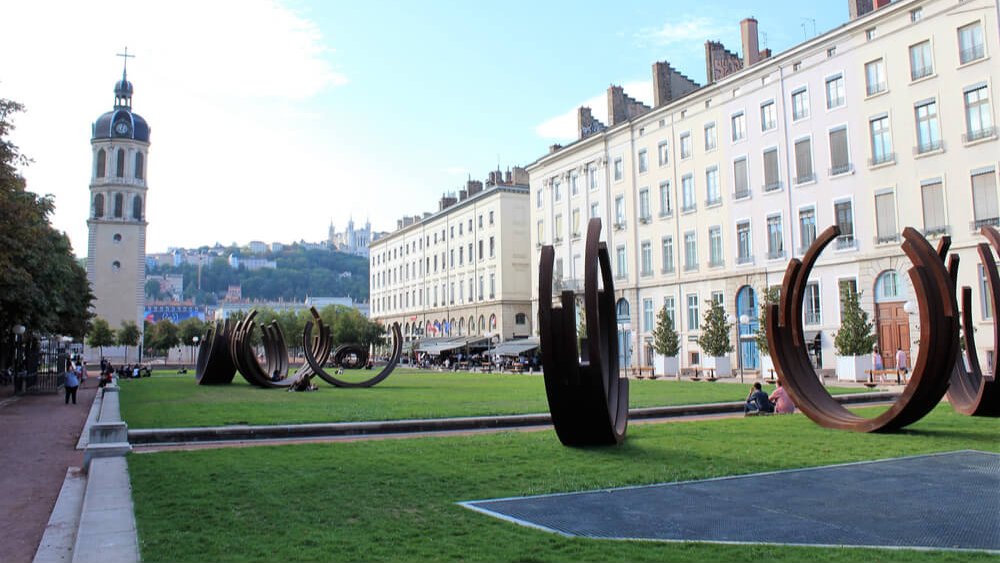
120	164
622	310
99	206
137	207
102	163
888	287
119	205
138	165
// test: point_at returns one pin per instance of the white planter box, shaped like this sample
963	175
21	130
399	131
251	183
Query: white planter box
766	364
723	367
852	368
666	366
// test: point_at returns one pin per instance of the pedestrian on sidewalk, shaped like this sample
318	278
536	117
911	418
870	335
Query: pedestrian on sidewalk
72	384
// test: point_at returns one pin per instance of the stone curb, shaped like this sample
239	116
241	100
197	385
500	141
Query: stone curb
168	436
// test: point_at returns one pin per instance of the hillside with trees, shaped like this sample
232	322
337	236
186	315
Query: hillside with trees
300	273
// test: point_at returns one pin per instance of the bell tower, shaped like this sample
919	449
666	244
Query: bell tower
116	249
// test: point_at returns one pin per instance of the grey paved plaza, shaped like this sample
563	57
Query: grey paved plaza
940	501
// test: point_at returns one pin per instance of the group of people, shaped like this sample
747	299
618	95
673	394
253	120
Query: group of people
759	402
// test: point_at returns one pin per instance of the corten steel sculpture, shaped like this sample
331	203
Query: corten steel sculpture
587	399
215	365
275	354
972	392
353	355
935	361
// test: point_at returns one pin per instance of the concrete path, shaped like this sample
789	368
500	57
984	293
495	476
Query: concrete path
38	436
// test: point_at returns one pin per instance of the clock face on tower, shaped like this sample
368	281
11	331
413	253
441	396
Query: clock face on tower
122	128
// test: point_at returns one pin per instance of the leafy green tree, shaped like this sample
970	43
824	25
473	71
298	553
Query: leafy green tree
665	339
714	339
769	296
100	335
855	337
42	286
127	335
189	328
153	290
165	335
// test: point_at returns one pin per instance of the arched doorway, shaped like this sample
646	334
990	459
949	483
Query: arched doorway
746	305
892	322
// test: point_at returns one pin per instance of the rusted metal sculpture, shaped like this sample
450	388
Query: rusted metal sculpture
971	391
935	361
215	365
587	399
352	355
275	354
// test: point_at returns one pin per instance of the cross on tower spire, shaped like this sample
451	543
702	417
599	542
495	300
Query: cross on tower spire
125	57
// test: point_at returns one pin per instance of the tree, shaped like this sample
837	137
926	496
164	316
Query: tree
127	335
41	284
189	328
714	339
665	339
769	296
100	335
855	337
154	291
165	335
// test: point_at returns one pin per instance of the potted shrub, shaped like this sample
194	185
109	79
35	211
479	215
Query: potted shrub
769	296
854	341
714	340
666	344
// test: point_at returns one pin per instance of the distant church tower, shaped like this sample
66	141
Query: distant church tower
116	249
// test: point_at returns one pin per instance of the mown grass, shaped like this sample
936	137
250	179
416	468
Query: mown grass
395	500
171	401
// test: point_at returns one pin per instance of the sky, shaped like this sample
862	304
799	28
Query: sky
270	119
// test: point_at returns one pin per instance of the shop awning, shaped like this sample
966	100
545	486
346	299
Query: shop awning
515	347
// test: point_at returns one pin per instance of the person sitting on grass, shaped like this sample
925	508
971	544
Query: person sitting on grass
757	401
782	402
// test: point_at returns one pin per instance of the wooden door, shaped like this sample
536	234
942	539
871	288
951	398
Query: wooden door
893	332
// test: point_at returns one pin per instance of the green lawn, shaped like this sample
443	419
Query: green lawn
171	401
394	500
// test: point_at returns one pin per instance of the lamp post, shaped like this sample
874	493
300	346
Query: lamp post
18	331
194	344
743	321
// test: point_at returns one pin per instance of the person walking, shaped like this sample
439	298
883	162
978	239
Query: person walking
72	384
901	368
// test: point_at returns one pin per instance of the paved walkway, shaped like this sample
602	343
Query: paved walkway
38	436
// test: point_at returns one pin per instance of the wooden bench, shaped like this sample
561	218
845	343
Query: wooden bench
882	373
771	377
708	373
640	372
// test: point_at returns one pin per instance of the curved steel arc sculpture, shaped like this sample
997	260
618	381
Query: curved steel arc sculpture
935	361
587	399
215	365
275	353
315	361
971	392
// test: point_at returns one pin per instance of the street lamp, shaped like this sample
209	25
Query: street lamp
194	342
744	320
18	331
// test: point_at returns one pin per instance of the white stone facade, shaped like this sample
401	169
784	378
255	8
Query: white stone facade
886	122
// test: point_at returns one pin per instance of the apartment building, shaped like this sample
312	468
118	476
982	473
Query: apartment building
462	271
885	122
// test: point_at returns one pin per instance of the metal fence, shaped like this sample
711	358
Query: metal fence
44	368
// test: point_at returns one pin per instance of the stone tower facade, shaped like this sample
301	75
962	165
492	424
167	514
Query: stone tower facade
116	250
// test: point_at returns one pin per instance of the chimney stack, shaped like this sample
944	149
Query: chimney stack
751	47
507	178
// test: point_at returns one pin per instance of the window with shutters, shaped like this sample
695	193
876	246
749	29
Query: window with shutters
844	214
619	212
803	161
744	250
984	199
986	300
686	145
772	177
885	217
807	227
881	140
619	170
775	238
978	120
663	153
928	129
932	199
647	315
692	310
574	225
643	161
739	122
622	262
811	314
711	139
741	185
557	233
646	258
713	196
875	82
970	43
670	305
840	160
768	118
645	215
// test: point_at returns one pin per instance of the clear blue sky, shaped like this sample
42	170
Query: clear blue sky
290	114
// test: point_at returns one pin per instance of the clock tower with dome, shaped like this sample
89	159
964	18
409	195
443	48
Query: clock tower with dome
116	249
